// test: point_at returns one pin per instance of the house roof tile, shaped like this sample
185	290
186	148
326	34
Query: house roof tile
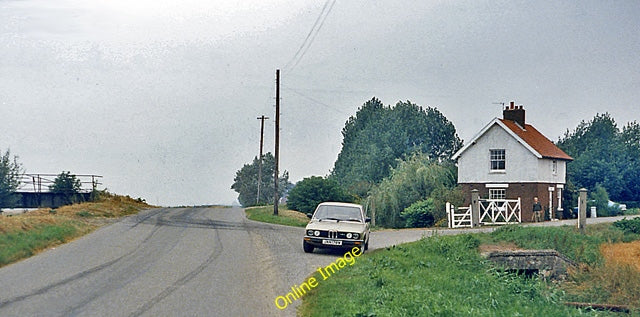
536	140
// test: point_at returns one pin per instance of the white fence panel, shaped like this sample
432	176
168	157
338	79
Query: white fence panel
500	211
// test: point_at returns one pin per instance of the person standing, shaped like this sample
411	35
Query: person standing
537	210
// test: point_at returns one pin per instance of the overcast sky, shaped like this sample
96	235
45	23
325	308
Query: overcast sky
161	97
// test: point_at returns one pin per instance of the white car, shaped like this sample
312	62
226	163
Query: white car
337	225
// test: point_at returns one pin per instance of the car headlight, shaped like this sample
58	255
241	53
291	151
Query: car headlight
356	236
316	233
349	235
309	232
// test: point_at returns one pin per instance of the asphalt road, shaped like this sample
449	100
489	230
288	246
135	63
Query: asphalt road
165	262
173	262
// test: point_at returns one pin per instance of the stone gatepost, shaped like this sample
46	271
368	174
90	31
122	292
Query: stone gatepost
475	208
582	210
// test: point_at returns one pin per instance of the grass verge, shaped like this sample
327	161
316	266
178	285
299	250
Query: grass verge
24	235
607	255
438	276
446	275
19	244
285	216
566	240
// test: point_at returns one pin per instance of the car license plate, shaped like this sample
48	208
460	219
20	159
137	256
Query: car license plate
332	242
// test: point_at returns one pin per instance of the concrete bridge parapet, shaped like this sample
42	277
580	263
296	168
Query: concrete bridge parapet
547	263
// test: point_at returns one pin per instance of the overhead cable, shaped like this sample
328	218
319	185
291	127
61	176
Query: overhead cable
315	29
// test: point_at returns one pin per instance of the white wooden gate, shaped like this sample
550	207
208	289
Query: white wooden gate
460	218
500	211
491	212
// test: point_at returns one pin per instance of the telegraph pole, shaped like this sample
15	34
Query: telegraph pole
261	118
277	141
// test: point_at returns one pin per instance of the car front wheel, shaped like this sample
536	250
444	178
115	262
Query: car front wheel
307	247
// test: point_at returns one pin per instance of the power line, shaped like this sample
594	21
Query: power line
308	35
317	25
315	100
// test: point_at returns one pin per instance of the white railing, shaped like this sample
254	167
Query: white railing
490	212
459	219
500	211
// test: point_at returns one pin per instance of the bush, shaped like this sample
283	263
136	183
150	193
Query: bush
600	199
628	225
311	191
419	214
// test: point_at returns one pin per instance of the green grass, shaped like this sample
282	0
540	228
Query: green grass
446	276
284	217
566	240
438	276
595	281
21	244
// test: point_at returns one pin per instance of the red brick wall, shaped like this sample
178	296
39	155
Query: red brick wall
526	192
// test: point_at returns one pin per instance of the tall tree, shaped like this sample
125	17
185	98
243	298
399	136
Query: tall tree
10	173
246	182
604	155
377	136
631	172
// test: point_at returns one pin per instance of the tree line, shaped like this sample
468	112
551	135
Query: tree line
606	159
396	160
376	142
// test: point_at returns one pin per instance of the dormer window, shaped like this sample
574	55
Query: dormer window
497	159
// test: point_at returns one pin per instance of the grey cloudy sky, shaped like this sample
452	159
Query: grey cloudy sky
161	97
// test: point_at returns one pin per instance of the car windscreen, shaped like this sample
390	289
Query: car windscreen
341	213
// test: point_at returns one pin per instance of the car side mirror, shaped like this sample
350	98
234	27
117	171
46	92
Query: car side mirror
367	219
309	215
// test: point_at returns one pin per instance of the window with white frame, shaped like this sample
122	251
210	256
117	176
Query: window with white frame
497	158
554	167
497	193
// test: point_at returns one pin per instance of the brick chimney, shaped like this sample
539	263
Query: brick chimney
514	113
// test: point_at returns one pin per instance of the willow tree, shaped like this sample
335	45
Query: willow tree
417	178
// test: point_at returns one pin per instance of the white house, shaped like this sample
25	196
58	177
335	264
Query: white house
508	159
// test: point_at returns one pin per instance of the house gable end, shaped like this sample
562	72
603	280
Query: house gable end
486	128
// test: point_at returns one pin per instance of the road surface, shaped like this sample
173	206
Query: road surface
173	262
